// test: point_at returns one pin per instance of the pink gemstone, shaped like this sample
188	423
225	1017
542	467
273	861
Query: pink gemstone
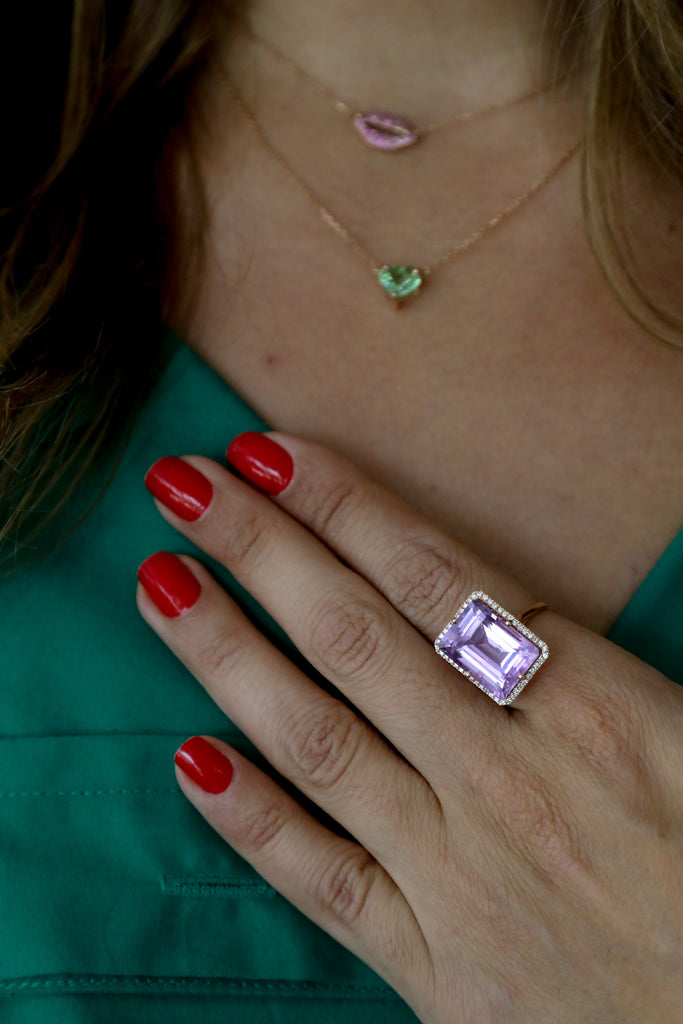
385	131
483	643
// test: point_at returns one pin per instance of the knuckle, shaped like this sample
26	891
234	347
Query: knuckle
219	653
604	734
347	636
262	829
344	887
324	744
323	507
532	818
244	538
424	578
610	739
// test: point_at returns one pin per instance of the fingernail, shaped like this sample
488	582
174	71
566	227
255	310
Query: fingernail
180	487
204	764
170	584
262	461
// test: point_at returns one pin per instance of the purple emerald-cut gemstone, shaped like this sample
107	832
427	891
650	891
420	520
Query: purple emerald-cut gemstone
481	642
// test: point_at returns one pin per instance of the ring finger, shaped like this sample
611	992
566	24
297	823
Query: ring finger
311	738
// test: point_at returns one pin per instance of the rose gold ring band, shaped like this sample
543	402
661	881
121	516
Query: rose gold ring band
532	610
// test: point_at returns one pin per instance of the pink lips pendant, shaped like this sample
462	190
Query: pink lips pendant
385	131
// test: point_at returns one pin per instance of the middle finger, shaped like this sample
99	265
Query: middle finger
340	623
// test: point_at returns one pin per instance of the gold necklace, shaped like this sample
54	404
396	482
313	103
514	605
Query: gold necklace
379	129
398	281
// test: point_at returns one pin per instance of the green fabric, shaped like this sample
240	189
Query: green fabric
651	624
119	902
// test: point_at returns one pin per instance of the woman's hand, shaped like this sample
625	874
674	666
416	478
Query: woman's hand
514	866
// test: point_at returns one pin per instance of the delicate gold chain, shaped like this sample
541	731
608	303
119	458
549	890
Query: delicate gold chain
355	243
351	111
511	208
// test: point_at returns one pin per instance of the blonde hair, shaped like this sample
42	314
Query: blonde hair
91	242
634	92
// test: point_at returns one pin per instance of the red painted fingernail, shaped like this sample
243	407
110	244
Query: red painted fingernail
169	583
262	461
204	764
180	487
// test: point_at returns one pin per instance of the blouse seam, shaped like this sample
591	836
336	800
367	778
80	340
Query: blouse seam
92	792
229	985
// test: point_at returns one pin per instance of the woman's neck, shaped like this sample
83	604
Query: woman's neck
436	53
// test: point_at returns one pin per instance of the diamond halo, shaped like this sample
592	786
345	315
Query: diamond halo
505	625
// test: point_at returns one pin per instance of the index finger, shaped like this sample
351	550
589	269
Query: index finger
424	573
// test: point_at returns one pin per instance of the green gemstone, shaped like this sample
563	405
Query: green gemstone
399	282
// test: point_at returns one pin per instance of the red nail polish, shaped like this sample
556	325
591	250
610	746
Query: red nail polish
180	487
170	584
204	764
262	461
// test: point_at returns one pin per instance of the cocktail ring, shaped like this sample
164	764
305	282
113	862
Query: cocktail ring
493	649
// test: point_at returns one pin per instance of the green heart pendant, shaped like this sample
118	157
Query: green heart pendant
399	282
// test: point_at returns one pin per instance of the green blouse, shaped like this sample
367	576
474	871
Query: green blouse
119	902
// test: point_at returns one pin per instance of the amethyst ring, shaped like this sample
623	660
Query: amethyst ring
493	649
